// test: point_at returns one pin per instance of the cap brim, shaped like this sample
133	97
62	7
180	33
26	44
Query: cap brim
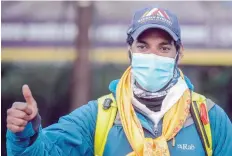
141	29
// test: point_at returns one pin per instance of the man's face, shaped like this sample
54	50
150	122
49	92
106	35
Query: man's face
155	41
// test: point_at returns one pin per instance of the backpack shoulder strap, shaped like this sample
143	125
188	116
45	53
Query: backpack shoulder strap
107	110
199	112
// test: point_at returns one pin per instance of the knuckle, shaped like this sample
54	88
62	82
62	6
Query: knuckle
16	128
8	111
12	128
19	105
14	104
22	128
24	106
12	120
23	115
17	123
25	123
7	119
22	122
26	118
8	126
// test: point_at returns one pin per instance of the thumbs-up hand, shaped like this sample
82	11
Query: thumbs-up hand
22	112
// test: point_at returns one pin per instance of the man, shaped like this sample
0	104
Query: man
157	112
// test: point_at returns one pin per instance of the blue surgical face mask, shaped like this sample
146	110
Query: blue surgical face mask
152	72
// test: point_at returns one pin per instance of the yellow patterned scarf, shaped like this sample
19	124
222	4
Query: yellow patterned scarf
172	123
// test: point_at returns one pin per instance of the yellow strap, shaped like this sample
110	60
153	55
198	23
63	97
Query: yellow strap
105	120
199	100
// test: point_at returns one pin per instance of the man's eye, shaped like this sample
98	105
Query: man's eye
141	47
165	49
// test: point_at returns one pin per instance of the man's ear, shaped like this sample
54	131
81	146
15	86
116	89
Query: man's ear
129	52
181	53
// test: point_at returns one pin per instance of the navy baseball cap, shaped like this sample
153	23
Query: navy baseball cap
153	17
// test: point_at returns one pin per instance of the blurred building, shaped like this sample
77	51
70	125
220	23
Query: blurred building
50	27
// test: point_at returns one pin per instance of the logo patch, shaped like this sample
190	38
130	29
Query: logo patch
155	14
186	146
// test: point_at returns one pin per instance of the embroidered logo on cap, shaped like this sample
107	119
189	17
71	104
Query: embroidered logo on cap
157	15
156	12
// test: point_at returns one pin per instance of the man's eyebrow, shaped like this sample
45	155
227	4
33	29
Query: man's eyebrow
165	43
161	44
141	41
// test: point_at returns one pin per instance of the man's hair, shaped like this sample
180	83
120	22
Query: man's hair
129	40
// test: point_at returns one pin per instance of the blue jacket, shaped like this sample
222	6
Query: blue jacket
74	135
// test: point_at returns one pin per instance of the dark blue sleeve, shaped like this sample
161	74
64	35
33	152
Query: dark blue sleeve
221	128
72	135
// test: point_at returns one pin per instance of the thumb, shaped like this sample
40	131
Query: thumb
28	95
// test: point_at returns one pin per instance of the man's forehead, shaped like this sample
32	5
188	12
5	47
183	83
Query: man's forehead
155	33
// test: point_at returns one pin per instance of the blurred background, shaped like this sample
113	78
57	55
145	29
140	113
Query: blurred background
68	52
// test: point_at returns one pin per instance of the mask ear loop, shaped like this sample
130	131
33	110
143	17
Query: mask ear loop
176	61
133	81
130	55
175	67
177	56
